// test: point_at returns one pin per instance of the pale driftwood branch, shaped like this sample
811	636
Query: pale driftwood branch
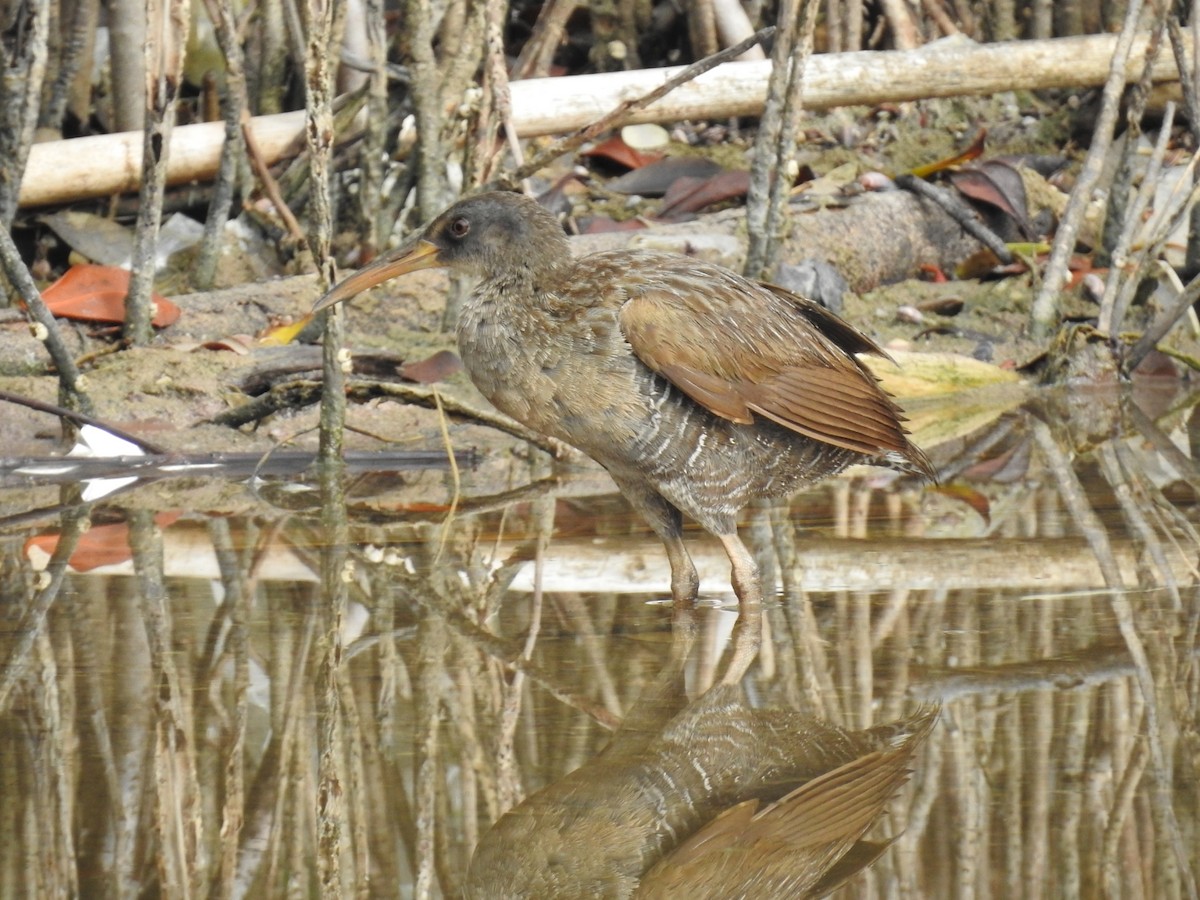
632	565
106	164
99	165
943	69
626	565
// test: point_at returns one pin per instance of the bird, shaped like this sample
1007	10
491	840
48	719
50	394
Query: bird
716	799
806	844
698	389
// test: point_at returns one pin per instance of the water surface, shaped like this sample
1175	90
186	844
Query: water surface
187	708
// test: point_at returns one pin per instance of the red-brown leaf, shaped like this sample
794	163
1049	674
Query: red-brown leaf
603	225
731	185
968	495
656	179
972	152
617	151
997	184
100	545
92	293
438	367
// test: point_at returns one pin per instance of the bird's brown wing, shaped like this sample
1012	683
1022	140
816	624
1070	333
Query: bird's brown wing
741	349
787	848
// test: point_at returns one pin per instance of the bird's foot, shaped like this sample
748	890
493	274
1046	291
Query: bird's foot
747	641
747	631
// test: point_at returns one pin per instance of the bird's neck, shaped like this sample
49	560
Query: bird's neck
527	283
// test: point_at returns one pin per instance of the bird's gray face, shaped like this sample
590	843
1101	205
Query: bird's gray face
477	236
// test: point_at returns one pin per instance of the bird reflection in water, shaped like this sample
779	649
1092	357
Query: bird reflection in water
711	798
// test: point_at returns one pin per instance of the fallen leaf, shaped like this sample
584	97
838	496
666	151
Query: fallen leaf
656	179
278	335
615	150
997	184
968	495
932	273
603	225
241	344
942	306
1006	467
438	367
981	263
100	545
98	238
92	293
692	198
972	152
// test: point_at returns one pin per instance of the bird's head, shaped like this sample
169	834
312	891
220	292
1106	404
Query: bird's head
491	235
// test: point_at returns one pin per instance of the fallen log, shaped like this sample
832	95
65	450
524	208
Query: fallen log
632	565
64	171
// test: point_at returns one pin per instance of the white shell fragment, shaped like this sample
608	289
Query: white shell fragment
645	137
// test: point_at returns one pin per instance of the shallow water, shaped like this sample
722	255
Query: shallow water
202	714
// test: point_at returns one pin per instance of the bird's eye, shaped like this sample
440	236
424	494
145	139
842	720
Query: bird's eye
460	227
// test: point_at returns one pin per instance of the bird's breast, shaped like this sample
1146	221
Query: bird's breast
563	373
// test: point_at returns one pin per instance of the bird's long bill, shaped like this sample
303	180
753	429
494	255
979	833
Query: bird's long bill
399	262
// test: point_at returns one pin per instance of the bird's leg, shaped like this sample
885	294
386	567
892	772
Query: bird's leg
667	522
685	583
747	584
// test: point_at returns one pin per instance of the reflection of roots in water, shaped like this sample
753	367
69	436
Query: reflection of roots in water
1061	638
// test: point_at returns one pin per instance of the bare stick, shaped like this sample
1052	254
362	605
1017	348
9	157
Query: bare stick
1163	323
33	621
100	165
70	388
959	212
233	153
538	52
166	36
1044	316
775	148
374	142
79	418
24	73
1123	278
613	118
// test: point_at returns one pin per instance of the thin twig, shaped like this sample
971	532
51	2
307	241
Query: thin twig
233	151
33	620
297	394
1162	324
166	31
374	149
79	418
1094	531
1123	277
1044	315
70	387
1118	816
613	118
269	185
775	146
960	213
455	480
